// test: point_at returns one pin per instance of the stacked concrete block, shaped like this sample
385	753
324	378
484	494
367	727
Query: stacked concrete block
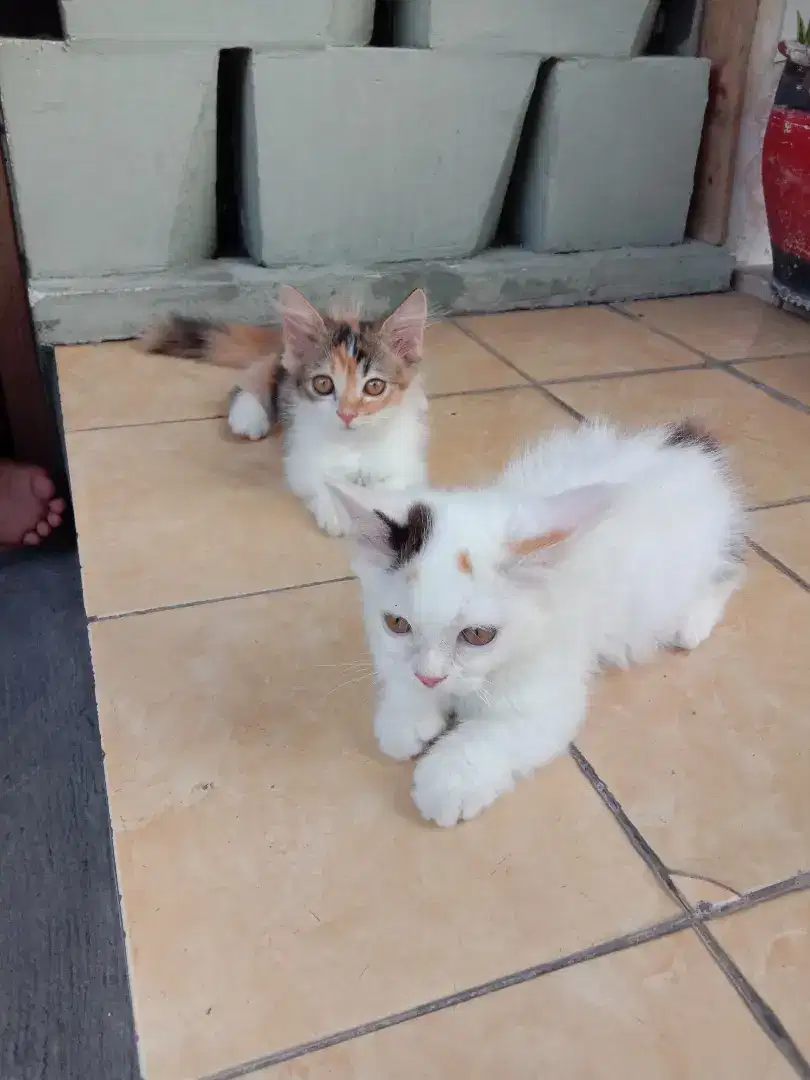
113	154
546	27
222	23
379	155
611	154
113	135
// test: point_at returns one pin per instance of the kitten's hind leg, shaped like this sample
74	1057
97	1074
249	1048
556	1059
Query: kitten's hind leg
707	613
247	417
249	414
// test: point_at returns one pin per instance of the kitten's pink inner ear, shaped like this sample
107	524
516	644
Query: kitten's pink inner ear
523	549
303	327
404	329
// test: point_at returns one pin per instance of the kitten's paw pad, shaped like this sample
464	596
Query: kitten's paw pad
328	515
400	738
456	781
247	417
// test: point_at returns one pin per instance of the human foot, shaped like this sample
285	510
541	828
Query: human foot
29	510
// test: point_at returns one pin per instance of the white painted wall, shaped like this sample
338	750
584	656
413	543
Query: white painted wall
748	230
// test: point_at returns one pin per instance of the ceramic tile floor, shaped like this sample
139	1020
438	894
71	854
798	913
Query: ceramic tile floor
638	909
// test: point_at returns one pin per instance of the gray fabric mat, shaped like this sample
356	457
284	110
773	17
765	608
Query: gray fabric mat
64	998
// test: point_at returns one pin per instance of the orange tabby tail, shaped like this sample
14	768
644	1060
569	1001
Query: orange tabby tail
223	344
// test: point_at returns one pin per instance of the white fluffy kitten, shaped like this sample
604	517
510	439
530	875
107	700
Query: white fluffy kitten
495	607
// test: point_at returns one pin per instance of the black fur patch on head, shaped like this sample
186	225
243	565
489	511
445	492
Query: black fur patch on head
406	541
183	337
357	343
687	433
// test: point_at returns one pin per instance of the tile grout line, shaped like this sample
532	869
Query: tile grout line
777	564
92	619
797	500
771	391
759	1009
673	925
532	382
688	919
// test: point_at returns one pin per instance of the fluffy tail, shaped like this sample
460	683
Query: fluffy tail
224	345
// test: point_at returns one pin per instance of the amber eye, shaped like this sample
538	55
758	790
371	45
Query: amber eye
396	624
374	387
322	385
479	635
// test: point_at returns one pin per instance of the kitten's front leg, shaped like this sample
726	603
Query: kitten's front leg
482	758
408	717
306	480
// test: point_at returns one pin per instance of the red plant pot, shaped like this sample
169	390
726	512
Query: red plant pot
786	184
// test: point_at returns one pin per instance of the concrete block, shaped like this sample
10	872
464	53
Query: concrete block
502	279
610	159
222	22
546	27
379	154
113	153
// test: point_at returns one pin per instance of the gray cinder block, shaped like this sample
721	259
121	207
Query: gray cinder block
547	27
113	154
363	155
611	156
222	22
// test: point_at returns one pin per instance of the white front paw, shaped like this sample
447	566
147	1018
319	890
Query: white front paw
247	417
402	735
458	779
328	514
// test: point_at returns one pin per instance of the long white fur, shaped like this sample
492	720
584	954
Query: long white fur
387	449
653	557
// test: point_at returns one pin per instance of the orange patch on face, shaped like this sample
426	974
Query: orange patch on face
523	548
465	563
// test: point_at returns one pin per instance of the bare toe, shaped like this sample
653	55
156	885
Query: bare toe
28	507
41	484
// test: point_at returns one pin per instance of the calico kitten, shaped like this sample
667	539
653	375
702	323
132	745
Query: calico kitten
347	392
495	607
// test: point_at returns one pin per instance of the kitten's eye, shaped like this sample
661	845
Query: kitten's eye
374	387
479	635
396	624
322	385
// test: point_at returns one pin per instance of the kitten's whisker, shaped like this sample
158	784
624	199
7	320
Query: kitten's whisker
349	682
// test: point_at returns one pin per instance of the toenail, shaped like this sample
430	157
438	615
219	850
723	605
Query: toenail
30	539
43	528
54	520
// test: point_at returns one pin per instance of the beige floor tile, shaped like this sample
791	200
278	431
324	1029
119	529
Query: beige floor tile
571	342
659	1012
771	945
768	440
472	438
277	883
455	362
114	383
785	533
790	374
173	513
730	326
708	752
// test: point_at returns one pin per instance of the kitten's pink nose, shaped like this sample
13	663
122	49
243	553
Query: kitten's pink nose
346	417
429	680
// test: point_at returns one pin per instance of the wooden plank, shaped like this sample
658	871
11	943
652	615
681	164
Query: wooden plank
726	37
31	421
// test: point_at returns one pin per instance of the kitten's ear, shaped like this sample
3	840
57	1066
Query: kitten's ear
536	529
404	329
368	527
303	328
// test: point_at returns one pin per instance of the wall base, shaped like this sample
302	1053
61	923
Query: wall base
75	310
